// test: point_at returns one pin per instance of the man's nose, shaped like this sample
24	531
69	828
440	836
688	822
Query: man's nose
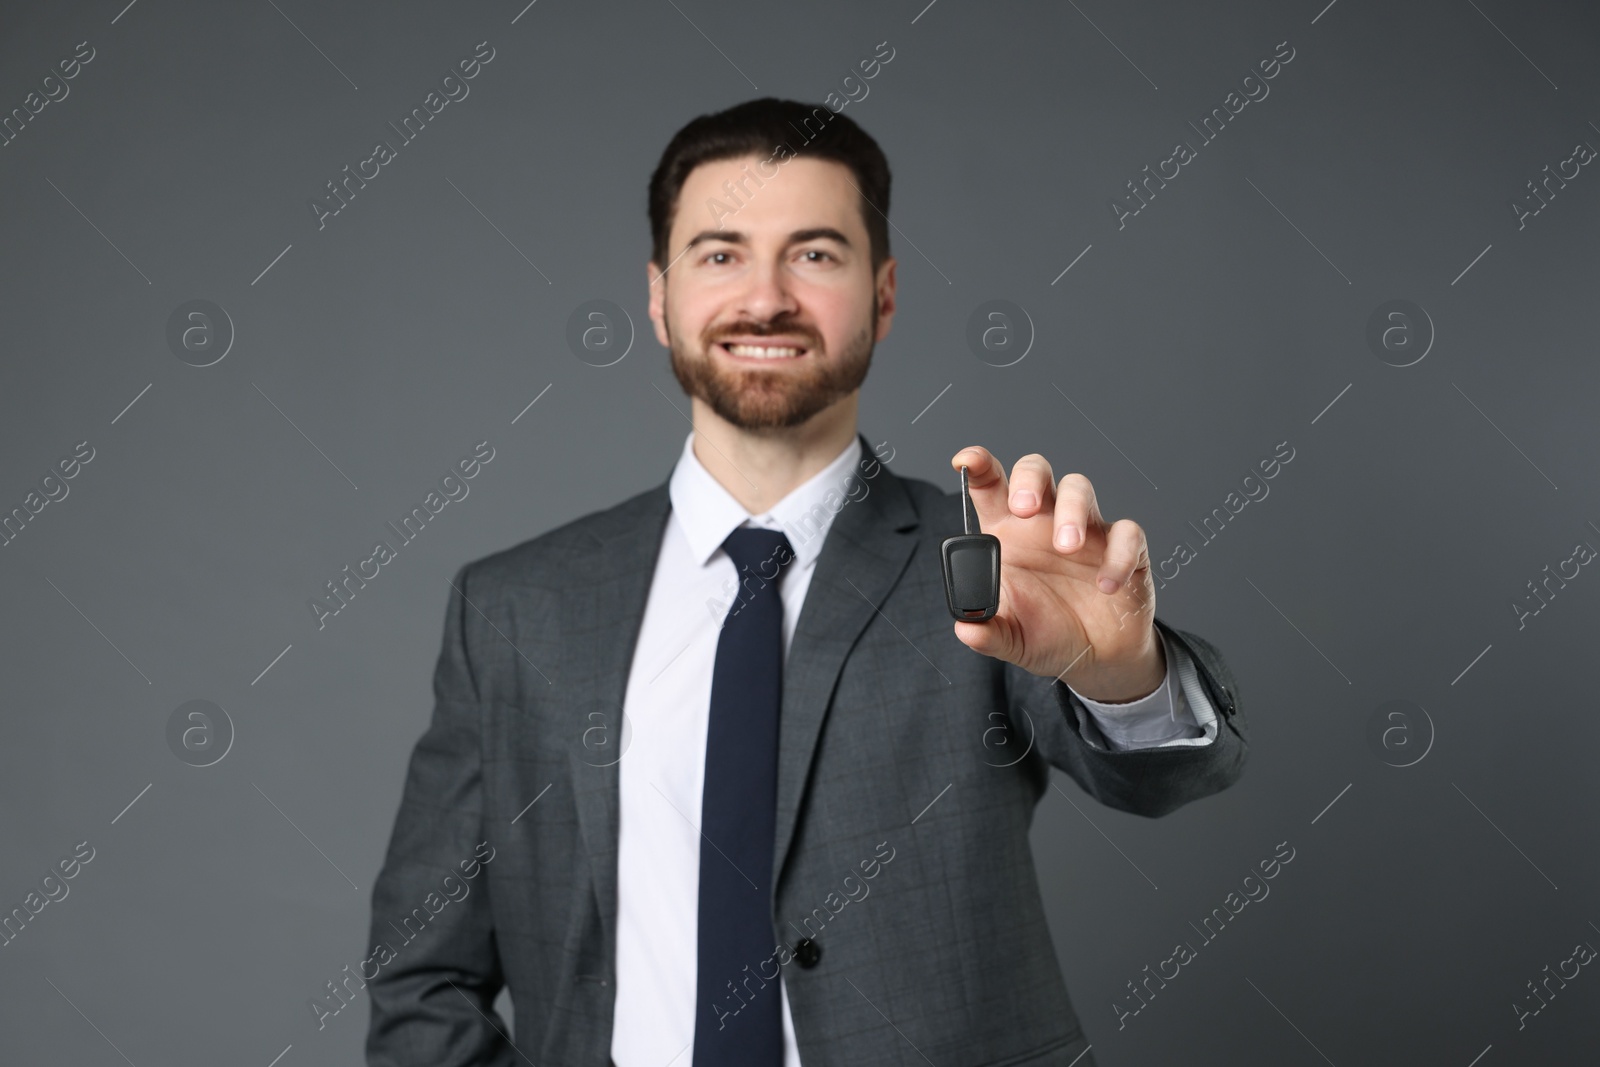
767	293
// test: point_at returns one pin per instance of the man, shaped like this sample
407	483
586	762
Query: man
751	796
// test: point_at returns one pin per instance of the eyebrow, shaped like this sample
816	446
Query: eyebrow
739	237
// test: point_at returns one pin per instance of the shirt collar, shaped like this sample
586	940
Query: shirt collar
707	513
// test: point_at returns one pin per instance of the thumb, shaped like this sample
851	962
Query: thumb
998	637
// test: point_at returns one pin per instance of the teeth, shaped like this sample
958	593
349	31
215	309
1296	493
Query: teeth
762	352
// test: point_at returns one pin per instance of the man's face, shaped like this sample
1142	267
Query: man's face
772	315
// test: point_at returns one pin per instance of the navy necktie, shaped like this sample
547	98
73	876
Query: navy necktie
739	1019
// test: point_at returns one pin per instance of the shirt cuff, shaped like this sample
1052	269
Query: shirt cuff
1173	716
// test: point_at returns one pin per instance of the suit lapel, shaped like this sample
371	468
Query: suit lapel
603	619
863	555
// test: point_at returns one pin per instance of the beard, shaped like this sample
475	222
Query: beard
757	399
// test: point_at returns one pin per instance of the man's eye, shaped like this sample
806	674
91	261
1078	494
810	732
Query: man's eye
819	252
714	255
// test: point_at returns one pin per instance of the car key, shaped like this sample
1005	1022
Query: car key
971	565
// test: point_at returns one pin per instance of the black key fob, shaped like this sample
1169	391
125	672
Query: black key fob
971	566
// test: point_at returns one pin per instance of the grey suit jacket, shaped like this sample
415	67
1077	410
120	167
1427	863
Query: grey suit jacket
895	740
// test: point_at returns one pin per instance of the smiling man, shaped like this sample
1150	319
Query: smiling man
684	803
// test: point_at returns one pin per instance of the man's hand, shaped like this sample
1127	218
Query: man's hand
1076	598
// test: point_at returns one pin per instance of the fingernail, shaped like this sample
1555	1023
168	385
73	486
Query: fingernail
1108	585
1024	498
1067	536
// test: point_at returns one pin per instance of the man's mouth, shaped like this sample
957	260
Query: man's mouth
762	351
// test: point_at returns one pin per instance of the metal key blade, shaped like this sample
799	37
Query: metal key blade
969	514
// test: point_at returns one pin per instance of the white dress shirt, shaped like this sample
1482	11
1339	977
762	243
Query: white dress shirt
668	705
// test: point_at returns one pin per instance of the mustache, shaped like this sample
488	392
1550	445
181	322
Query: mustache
769	330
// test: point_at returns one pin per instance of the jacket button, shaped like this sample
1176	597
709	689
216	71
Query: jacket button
807	952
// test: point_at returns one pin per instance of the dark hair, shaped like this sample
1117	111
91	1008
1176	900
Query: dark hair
768	127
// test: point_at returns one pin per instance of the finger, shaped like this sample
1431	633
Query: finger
997	637
1032	487
1077	512
1126	551
986	481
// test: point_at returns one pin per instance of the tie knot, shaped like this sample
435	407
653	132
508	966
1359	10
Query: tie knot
759	551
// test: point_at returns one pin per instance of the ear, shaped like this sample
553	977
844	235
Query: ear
885	296
657	282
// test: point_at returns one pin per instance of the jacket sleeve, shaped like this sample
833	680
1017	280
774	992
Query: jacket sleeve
432	998
1144	781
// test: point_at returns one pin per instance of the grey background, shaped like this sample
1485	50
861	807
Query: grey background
1381	567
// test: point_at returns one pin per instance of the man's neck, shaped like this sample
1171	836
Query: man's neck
761	467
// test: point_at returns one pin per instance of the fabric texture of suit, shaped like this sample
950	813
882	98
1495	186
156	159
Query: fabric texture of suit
886	746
